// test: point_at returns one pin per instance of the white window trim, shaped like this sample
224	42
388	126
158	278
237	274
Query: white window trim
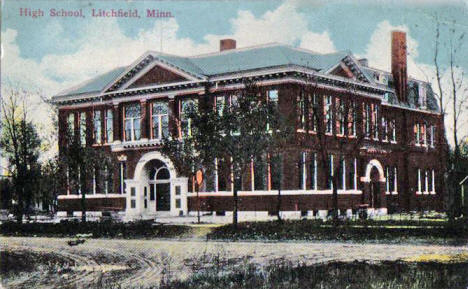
106	124
122	178
82	125
94	181
419	183
315	171
433	192
216	177
418	136
304	171
355	174
328	115
97	139
331	170
426	180
424	143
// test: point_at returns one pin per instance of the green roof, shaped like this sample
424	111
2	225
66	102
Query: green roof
96	84
231	61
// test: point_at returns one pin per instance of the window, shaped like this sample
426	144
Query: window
390	179
426	181
340	115
132	122
259	174
313	171
108	180
432	135
433	181
109	126
343	174
71	123
417	134
353	175
273	95
367	120
375	122
328	114
133	203
97	127
185	122
275	172
313	113
419	181
83	128
393	128
422	95
302	111
123	175
302	174
160	120
330	172
220	104
352	118
423	139
385	129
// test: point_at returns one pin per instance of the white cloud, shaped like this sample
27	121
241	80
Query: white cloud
318	42
378	51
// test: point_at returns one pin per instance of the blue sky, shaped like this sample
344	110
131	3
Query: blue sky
54	53
339	25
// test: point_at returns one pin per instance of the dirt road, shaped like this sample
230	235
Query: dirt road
133	263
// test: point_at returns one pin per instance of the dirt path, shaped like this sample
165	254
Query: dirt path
132	263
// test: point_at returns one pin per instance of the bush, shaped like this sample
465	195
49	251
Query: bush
139	229
348	230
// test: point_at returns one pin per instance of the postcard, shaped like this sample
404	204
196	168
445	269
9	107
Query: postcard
234	144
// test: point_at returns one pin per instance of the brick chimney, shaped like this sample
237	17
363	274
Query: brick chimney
226	44
399	66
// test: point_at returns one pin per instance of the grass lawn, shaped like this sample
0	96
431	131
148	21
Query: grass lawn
334	275
368	230
388	230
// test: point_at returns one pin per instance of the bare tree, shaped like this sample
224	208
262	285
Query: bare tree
453	98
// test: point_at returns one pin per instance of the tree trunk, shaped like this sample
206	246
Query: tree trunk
83	207
234	213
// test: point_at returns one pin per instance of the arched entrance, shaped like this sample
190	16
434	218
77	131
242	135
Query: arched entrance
375	193
374	186
160	185
155	188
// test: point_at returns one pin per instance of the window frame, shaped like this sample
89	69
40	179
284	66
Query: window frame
131	120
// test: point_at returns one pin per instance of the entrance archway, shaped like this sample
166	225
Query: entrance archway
159	184
155	188
375	193
374	186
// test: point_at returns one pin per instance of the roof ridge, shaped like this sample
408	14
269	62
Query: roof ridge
228	51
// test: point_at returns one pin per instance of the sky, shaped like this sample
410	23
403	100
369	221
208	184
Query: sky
52	54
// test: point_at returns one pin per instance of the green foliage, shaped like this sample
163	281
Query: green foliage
132	230
20	144
78	163
364	230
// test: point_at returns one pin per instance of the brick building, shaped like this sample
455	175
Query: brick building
396	129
